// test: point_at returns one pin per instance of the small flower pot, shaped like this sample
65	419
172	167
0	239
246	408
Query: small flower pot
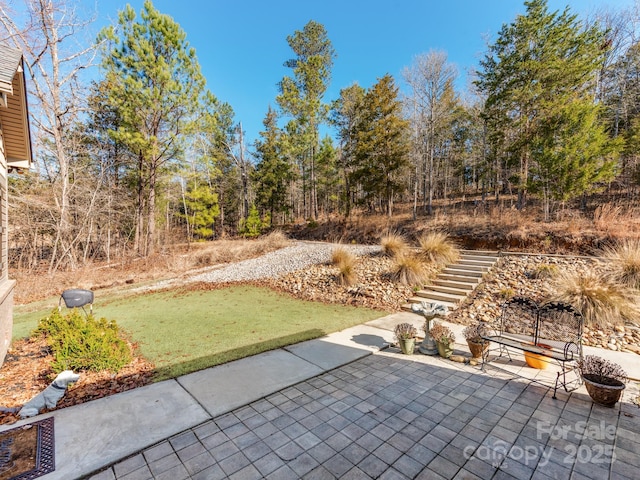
407	345
477	348
445	350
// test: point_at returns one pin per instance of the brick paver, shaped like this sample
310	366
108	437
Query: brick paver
393	416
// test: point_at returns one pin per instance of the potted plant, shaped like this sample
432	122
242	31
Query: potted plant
406	337
473	335
444	338
605	380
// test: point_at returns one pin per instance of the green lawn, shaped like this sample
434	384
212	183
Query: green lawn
184	331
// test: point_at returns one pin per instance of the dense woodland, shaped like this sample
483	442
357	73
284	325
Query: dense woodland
145	156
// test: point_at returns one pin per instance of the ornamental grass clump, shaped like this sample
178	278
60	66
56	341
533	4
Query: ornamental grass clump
409	270
601	301
626	258
84	343
394	245
437	247
544	271
345	261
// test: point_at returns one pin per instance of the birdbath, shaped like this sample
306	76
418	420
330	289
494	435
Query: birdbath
430	311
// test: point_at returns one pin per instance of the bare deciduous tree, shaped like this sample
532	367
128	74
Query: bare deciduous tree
48	35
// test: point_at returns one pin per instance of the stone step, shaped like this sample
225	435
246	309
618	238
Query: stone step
459	278
451	290
472	268
462	272
475	263
480	258
439	297
482	253
456	281
463	285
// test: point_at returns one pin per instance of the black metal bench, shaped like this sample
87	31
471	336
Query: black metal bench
552	332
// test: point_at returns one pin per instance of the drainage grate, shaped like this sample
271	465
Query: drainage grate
45	451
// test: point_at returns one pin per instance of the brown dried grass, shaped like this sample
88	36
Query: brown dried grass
409	270
600	299
437	247
345	261
626	258
394	245
606	216
182	259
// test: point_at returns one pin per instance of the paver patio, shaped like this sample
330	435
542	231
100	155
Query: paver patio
389	415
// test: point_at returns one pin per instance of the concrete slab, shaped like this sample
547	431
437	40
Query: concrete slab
390	321
95	434
225	387
340	348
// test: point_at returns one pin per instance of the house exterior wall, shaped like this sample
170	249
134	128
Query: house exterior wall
6	285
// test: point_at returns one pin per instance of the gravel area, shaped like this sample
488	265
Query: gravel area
296	257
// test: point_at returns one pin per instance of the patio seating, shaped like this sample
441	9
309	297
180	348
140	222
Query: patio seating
551	332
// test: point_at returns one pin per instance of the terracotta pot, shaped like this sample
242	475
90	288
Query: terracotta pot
477	348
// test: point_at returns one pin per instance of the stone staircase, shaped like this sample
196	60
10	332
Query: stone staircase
456	281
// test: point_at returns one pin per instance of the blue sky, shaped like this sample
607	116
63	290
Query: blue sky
241	45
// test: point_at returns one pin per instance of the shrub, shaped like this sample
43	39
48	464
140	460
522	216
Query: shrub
409	270
394	245
506	293
83	343
436	247
599	299
252	226
626	258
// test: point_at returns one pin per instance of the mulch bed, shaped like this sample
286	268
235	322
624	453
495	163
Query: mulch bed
27	371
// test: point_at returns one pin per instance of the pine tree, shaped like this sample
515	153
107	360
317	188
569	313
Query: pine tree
382	148
539	67
154	82
202	210
301	97
345	116
273	172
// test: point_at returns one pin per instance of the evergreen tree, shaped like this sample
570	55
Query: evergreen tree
540	65
154	82
345	116
301	97
273	172
382	147
202	209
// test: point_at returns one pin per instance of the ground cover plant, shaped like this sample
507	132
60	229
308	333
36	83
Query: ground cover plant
83	342
204	325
